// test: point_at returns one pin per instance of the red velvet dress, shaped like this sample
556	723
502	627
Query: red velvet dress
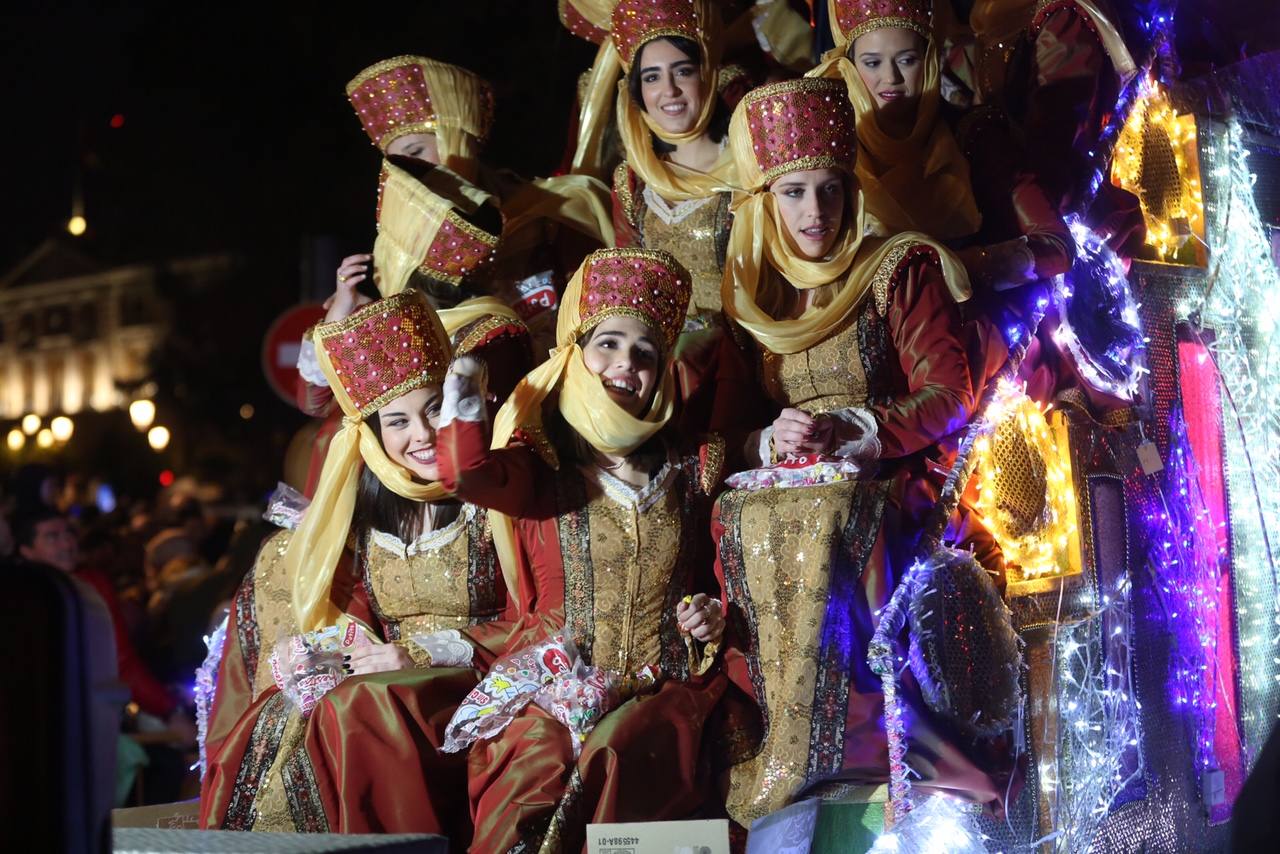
610	562
806	569
366	760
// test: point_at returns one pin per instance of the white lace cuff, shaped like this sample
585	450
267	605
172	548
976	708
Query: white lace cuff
309	365
759	450
463	399
447	648
855	434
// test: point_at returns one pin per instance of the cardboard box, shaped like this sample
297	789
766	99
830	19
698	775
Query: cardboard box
659	837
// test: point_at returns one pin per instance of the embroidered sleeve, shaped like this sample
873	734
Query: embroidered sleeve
711	464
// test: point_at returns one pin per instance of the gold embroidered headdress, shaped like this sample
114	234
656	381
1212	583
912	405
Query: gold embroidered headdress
413	94
643	283
918	182
789	127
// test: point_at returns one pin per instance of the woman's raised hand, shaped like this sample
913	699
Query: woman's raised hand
353	270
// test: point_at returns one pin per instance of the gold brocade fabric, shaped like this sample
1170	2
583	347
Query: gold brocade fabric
789	539
634	549
273	811
697	242
827	376
272	603
426	587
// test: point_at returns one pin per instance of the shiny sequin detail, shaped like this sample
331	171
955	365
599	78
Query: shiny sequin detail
696	241
796	554
386	349
446	580
458	250
302	792
263	746
392	98
801	124
649	285
638	22
858	17
247	627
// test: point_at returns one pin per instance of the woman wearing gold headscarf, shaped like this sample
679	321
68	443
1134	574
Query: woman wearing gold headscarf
672	191
377	609
607	519
864	360
911	172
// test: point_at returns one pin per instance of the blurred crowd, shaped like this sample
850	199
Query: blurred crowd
166	569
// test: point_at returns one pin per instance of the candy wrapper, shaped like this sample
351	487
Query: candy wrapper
796	470
306	667
580	698
286	506
509	687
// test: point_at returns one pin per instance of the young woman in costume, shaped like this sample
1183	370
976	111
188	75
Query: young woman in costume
608	514
864	358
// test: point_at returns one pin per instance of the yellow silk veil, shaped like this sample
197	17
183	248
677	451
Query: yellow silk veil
919	182
463	104
758	244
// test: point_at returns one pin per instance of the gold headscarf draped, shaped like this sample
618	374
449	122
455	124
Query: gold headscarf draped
317	545
919	182
671	181
757	242
463	104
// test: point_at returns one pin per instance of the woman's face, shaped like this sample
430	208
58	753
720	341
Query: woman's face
624	353
670	86
408	428
419	146
811	204
890	62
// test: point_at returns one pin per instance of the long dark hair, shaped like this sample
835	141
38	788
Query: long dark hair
381	509
719	124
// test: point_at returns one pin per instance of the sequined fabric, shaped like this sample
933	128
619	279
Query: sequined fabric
272	606
857	17
648	284
827	376
393	98
790	543
801	124
459	249
634	546
433	584
697	241
636	22
386	349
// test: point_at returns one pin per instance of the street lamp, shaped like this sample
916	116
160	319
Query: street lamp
77	225
44	438
16	440
30	423
142	413
158	438
62	427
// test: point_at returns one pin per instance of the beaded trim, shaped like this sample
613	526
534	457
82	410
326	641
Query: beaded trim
654	35
803	164
471	230
622	189
480	332
711	470
884	23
